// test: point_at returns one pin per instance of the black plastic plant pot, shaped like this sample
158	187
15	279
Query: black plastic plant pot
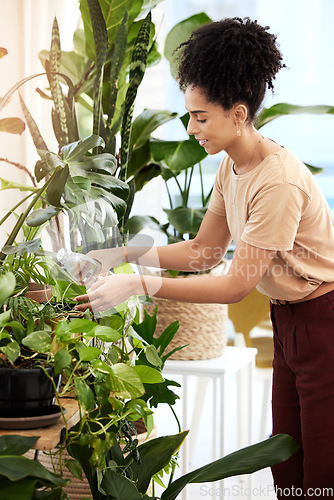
26	392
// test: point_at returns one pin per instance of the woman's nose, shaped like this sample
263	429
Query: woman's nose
191	127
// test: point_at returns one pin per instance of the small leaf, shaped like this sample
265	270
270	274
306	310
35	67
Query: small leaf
84	395
4	317
125	382
56	187
148	375
107	334
152	356
7	286
62	359
74	468
11	350
12	125
3	52
79	326
38	341
89	353
41	215
119	486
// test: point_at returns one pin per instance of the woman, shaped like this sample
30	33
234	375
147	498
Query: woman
268	202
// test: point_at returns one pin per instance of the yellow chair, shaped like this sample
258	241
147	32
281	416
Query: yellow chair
253	311
245	315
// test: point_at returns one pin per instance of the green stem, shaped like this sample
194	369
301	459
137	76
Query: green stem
14	208
202	186
23	216
179	186
177	420
169	197
187	188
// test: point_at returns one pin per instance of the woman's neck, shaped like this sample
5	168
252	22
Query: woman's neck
250	149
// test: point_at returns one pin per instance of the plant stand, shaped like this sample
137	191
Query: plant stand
234	360
52	435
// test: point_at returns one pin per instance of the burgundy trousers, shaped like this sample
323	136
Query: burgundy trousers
303	396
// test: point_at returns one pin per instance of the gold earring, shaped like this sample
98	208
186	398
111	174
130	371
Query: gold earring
238	130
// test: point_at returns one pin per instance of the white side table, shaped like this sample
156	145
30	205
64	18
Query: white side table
239	360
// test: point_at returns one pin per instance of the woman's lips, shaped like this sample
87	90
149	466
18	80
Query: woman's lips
202	143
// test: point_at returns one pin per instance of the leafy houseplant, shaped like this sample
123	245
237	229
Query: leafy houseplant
20	477
78	183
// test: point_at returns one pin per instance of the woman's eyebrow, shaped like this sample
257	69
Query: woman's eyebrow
196	111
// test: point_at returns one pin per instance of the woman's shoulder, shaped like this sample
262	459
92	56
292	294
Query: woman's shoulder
284	167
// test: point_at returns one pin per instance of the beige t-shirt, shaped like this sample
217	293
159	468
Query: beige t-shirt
279	206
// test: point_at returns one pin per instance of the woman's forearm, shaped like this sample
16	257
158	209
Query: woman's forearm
198	289
182	256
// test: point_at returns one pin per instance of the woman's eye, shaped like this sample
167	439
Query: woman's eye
201	121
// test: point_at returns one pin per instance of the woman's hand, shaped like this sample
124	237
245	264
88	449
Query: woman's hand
108	292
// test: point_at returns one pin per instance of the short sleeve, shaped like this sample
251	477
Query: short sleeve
274	217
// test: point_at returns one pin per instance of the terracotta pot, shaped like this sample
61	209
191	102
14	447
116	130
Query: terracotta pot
39	293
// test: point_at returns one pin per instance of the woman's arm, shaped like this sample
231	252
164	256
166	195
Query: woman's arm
248	266
203	252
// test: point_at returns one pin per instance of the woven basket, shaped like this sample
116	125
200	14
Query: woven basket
202	326
77	489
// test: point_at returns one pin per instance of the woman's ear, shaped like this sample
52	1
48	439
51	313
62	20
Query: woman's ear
240	114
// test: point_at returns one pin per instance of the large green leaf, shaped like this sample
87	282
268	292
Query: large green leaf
16	445
246	461
179	34
281	109
177	155
118	486
155	455
76	150
41	215
18	490
146	123
186	219
103	163
16	468
39	341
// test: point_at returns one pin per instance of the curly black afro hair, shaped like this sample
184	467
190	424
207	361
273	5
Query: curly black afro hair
232	61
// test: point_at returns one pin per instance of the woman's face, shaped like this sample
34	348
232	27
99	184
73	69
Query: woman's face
213	127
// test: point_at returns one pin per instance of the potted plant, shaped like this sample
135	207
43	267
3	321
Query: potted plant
76	182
